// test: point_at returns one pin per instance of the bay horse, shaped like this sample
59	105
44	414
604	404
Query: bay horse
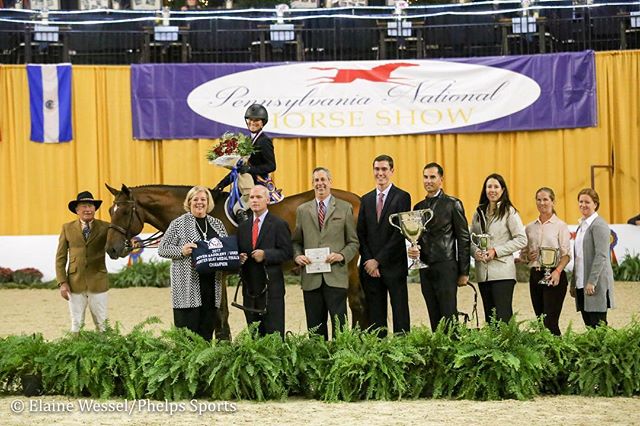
158	205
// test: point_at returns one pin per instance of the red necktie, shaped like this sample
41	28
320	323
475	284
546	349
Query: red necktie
380	205
254	232
321	214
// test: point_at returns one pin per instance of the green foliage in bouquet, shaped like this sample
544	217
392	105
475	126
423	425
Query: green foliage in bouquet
142	274
231	144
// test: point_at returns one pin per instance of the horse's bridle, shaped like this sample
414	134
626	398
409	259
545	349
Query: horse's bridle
128	235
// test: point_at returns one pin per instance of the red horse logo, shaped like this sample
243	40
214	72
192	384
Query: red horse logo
379	74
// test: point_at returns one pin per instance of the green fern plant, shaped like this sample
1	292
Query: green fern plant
499	361
142	274
249	368
21	356
90	363
628	270
608	362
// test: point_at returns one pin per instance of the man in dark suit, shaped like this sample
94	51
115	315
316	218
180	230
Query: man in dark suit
260	163
444	246
325	223
383	258
82	246
264	243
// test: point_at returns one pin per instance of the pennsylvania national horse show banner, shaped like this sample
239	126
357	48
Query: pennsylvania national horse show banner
367	98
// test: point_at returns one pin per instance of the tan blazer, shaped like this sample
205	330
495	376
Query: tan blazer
87	270
338	233
507	237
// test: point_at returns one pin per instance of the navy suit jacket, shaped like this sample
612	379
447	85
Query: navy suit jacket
275	239
380	240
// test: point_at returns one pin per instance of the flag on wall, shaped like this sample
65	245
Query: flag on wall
50	101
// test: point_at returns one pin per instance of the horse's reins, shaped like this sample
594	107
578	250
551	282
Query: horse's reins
474	311
147	242
264	291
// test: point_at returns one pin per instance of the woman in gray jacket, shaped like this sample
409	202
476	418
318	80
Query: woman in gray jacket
495	267
592	280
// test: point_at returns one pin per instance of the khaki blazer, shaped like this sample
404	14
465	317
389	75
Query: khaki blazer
338	233
86	270
507	237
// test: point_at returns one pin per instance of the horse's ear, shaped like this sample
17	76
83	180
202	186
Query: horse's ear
125	190
111	190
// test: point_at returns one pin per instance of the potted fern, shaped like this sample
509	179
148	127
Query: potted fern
21	359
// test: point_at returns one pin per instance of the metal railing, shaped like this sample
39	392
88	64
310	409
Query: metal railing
221	38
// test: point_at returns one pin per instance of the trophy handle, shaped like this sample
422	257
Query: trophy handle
427	212
393	216
475	238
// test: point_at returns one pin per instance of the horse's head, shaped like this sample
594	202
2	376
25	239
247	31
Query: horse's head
127	221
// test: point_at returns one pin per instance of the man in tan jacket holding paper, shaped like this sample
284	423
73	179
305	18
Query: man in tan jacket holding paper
324	242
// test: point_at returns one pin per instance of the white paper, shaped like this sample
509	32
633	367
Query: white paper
318	257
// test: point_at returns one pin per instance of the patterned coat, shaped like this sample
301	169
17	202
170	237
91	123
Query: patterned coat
185	281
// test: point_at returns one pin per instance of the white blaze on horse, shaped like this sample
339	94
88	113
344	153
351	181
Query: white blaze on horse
158	205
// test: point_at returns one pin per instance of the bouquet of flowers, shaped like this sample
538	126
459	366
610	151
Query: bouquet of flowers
231	148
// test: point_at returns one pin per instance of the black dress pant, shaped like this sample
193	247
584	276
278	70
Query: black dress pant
497	295
273	320
202	319
591	319
439	284
376	291
547	300
323	301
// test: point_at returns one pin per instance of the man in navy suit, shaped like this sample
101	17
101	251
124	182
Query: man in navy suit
383	258
264	243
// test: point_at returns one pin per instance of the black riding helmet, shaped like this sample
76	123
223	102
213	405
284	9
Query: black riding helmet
257	112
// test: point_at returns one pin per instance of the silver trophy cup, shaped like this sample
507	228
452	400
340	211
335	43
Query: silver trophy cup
482	241
412	224
548	258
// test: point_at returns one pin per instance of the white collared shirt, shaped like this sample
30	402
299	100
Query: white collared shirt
325	202
261	217
385	192
579	258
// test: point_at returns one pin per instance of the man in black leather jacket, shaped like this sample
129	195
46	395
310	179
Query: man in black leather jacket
444	246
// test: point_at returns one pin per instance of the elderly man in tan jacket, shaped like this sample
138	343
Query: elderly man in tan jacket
84	281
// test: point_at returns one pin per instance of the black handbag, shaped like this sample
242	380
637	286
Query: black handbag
217	254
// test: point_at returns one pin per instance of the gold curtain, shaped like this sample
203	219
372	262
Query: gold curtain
37	180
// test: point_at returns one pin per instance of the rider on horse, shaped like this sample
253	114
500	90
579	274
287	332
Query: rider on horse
260	163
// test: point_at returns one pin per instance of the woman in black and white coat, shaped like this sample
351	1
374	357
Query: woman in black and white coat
195	297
